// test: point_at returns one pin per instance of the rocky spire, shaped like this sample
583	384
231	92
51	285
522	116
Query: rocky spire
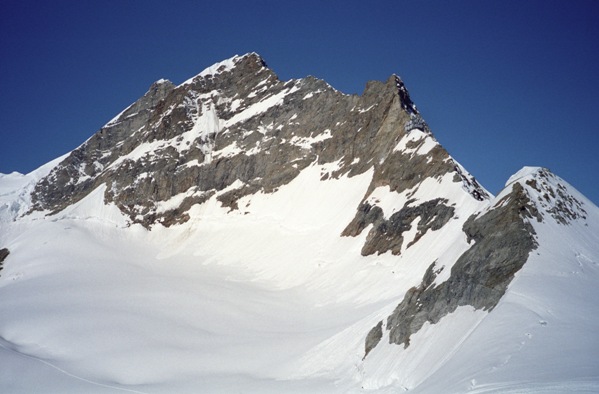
406	102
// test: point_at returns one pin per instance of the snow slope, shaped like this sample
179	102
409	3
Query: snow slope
225	302
91	304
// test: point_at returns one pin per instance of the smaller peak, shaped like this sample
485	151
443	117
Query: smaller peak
551	194
162	81
159	89
252	57
161	85
406	102
528	172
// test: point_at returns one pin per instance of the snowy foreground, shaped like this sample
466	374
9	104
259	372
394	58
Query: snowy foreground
274	301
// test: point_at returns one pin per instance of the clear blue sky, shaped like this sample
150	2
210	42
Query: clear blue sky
502	84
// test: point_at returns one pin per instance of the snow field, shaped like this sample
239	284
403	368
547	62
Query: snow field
230	295
271	299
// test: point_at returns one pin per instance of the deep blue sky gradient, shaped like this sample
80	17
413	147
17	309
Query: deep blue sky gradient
502	84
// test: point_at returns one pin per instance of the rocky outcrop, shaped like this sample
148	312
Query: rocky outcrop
373	338
4	252
387	235
502	240
553	197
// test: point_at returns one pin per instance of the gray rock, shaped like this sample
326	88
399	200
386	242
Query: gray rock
4	252
555	199
503	239
373	338
387	235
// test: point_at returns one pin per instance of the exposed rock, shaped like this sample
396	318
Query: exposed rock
406	102
367	214
373	338
237	122
503	239
470	184
3	255
387	235
554	198
81	171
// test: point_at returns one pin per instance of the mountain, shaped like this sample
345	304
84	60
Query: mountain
241	233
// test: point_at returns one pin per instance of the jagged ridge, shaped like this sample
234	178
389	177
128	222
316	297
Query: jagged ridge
236	129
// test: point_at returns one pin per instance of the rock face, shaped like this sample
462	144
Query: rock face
502	239
236	129
553	198
386	234
373	338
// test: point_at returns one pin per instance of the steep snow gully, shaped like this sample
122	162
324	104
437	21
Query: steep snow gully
239	233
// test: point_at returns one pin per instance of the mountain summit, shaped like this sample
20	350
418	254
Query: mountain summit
235	129
239	232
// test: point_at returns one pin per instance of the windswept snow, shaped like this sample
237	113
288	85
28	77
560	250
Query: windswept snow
306	142
260	107
216	68
420	143
219	67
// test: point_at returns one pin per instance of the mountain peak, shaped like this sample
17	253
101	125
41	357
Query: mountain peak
235	129
406	101
162	81
526	172
228	65
552	195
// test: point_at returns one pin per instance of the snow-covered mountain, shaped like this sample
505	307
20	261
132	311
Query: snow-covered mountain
239	233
